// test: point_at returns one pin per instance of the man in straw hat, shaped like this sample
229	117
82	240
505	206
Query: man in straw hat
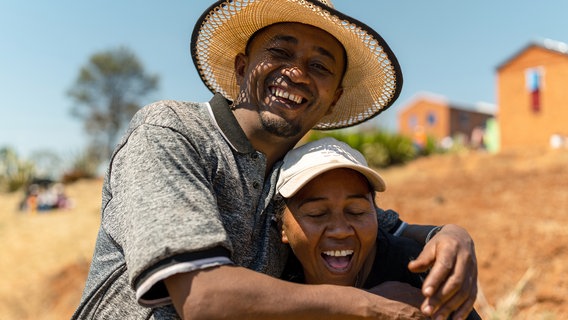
188	225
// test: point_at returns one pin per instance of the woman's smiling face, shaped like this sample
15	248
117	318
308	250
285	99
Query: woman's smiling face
331	225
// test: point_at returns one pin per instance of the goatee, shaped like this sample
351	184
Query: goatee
278	126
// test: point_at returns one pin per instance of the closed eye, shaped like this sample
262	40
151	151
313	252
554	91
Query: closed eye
321	68
279	52
357	213
316	214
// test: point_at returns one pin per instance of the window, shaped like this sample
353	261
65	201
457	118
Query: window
463	119
431	118
533	79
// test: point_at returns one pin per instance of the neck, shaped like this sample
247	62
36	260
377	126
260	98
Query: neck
272	146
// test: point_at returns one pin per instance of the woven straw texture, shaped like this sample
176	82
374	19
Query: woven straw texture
371	83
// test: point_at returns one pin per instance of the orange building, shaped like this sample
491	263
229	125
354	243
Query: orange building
532	94
428	115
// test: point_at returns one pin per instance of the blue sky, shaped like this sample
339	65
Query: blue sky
445	47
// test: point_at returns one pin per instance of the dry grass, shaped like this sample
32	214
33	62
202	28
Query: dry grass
514	205
40	249
507	307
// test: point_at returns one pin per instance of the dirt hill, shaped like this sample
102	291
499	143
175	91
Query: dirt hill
515	206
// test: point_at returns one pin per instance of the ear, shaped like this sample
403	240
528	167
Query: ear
240	66
285	237
336	97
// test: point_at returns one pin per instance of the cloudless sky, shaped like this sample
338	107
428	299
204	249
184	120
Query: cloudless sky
446	47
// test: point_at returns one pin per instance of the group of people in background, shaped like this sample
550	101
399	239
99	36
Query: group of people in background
43	196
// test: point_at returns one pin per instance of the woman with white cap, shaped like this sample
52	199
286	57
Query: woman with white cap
327	214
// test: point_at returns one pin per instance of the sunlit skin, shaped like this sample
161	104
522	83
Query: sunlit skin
329	217
289	79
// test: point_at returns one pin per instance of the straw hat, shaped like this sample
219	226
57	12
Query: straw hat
310	160
373	78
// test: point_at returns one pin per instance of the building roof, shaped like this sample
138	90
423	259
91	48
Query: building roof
479	107
548	44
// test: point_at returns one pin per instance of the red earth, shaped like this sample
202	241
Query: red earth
515	205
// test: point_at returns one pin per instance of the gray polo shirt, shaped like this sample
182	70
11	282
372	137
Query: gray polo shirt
185	190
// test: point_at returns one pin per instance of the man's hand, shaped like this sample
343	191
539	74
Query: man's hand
452	280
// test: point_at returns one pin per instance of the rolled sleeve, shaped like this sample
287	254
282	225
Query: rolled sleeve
150	288
167	200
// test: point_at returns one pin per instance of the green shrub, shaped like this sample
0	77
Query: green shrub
381	149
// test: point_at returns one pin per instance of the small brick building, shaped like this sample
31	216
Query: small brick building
532	94
434	116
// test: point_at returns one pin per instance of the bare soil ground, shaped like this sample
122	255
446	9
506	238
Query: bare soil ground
515	205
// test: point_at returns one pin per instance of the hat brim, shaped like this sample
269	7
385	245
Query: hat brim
372	81
290	187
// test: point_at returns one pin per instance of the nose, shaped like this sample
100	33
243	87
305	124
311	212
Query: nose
296	73
339	228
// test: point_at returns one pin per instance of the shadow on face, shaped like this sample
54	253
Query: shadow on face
289	77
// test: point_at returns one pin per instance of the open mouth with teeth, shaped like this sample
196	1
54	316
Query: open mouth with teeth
283	94
338	260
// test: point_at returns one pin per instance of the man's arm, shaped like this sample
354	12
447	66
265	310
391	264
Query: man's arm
229	292
449	255
416	232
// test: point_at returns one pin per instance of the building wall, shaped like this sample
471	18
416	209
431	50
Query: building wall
424	117
438	119
464	122
521	124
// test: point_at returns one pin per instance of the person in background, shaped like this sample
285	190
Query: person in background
187	228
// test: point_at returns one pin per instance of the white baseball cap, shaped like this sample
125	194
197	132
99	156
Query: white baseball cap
306	162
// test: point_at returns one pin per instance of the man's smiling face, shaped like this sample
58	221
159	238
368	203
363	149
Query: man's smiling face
291	77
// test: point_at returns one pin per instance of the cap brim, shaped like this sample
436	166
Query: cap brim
290	187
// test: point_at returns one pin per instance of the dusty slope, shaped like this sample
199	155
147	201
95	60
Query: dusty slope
515	206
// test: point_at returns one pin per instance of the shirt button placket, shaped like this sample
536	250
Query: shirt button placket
254	156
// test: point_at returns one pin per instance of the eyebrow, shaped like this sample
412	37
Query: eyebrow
294	40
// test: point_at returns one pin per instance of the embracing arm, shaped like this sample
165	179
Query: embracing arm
229	292
418	233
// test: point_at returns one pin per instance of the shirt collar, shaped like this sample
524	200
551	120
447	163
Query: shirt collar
228	124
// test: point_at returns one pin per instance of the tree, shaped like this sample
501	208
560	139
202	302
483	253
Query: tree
14	171
107	93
